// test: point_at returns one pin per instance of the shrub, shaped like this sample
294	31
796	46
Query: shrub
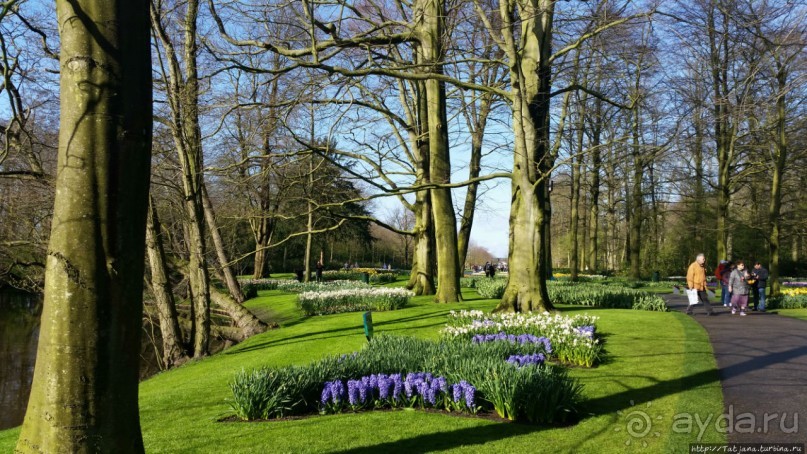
786	301
491	288
353	300
383	278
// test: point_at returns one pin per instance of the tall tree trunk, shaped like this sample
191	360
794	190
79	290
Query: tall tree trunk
780	146
85	385
183	98
530	76
637	202
424	262
431	27
173	350
421	279
574	252
224	264
594	190
474	168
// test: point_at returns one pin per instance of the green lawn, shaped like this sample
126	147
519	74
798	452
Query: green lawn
658	365
800	314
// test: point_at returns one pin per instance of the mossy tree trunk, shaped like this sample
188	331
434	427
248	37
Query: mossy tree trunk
530	76
218	243
182	90
85	386
173	350
431	27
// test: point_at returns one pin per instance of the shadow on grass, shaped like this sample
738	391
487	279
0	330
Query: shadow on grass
440	441
347	331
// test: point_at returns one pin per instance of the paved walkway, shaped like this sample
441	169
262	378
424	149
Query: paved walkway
763	370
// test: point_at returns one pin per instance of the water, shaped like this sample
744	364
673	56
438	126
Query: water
19	334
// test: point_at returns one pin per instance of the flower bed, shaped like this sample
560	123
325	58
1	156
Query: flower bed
300	287
491	288
250	287
572	339
582	294
415	389
470	378
353	300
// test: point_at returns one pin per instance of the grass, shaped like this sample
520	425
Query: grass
658	364
800	314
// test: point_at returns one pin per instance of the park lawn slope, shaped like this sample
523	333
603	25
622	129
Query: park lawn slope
660	364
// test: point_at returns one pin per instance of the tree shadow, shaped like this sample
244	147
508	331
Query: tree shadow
441	441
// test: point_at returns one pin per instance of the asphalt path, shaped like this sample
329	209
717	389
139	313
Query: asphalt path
763	371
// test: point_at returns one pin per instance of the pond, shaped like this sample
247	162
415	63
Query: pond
19	334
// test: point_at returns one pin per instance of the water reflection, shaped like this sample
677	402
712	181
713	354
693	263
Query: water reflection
19	334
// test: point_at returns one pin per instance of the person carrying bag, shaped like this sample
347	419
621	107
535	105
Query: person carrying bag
696	285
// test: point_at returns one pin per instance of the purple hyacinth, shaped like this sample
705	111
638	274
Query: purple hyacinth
397	384
456	391
587	330
363	391
353	391
337	391
326	393
470	395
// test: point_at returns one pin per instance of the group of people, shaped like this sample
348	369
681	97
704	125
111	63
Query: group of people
737	285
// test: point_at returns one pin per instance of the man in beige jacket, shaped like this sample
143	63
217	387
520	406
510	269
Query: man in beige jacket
696	279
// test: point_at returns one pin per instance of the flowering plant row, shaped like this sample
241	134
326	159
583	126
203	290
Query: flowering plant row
572	339
513	339
419	389
300	287
596	295
524	360
469	377
352	300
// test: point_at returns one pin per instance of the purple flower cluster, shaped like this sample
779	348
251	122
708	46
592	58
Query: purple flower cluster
513	339
395	389
523	360
465	390
587	330
794	284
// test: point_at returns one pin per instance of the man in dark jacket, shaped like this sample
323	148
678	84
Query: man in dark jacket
760	275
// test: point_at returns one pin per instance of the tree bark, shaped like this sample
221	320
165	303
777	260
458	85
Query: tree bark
226	270
85	385
780	146
431	26
530	76
183	96
243	318
173	350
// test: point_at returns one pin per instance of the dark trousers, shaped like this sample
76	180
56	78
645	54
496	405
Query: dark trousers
703	298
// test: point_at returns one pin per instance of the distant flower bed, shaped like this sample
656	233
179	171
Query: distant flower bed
583	294
794	284
388	373
353	300
300	287
569	339
250	287
787	301
491	288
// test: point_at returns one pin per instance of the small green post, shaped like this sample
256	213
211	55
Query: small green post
368	325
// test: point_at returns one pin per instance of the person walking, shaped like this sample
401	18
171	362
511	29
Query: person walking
696	279
760	275
739	288
320	266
